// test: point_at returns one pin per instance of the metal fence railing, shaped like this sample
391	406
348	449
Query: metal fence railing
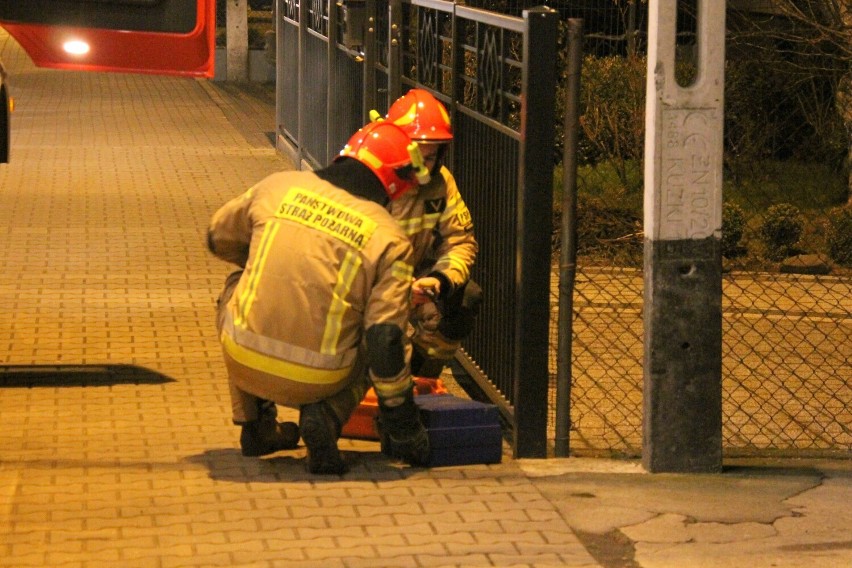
496	75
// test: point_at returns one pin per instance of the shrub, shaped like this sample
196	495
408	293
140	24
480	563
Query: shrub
772	111
733	226
612	119
608	230
839	235
780	230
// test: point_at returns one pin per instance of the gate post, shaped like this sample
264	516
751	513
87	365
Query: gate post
394	51
683	263
368	95
535	214
568	251
304	16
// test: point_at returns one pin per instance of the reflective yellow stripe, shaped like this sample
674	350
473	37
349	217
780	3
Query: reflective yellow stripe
389	387
249	293
365	155
409	116
402	271
339	305
461	266
419	224
441	353
279	368
411	226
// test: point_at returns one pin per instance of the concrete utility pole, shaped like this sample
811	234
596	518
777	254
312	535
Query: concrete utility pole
683	262
236	38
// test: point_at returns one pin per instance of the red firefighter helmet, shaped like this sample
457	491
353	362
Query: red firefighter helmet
422	116
388	152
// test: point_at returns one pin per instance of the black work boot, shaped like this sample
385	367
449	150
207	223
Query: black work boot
423	366
266	436
401	432
320	432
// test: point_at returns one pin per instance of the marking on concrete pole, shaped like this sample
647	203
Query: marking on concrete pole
688	185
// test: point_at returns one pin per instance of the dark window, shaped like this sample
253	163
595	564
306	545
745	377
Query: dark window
168	16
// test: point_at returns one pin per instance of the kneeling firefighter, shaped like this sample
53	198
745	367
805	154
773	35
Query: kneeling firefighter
439	225
317	312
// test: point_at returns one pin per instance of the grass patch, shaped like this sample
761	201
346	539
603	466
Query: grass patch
604	182
809	186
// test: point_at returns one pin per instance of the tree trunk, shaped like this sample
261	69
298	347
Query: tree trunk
844	108
845	95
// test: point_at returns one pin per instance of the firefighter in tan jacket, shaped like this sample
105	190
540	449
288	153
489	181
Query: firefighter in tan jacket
439	225
317	313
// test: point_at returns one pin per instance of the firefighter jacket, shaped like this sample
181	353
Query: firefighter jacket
321	267
439	225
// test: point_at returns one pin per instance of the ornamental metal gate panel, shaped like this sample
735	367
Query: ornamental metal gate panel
338	61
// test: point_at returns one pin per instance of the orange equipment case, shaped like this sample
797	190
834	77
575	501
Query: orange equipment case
362	423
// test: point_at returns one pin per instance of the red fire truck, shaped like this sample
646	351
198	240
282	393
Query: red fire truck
173	37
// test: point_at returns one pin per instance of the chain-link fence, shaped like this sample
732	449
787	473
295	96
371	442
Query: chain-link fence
787	238
786	361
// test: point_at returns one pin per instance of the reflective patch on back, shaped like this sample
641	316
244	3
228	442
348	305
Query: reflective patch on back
311	209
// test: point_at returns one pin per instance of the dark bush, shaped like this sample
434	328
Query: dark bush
772	114
750	130
606	230
839	235
733	226
612	113
780	230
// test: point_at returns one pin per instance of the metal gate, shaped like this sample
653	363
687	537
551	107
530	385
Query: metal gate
336	62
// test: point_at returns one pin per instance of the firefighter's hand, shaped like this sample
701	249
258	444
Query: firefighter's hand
426	287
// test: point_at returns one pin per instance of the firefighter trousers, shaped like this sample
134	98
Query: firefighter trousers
249	399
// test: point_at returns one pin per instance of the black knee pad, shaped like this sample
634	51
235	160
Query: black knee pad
385	349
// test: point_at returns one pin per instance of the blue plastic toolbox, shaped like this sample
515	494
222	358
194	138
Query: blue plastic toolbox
461	431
